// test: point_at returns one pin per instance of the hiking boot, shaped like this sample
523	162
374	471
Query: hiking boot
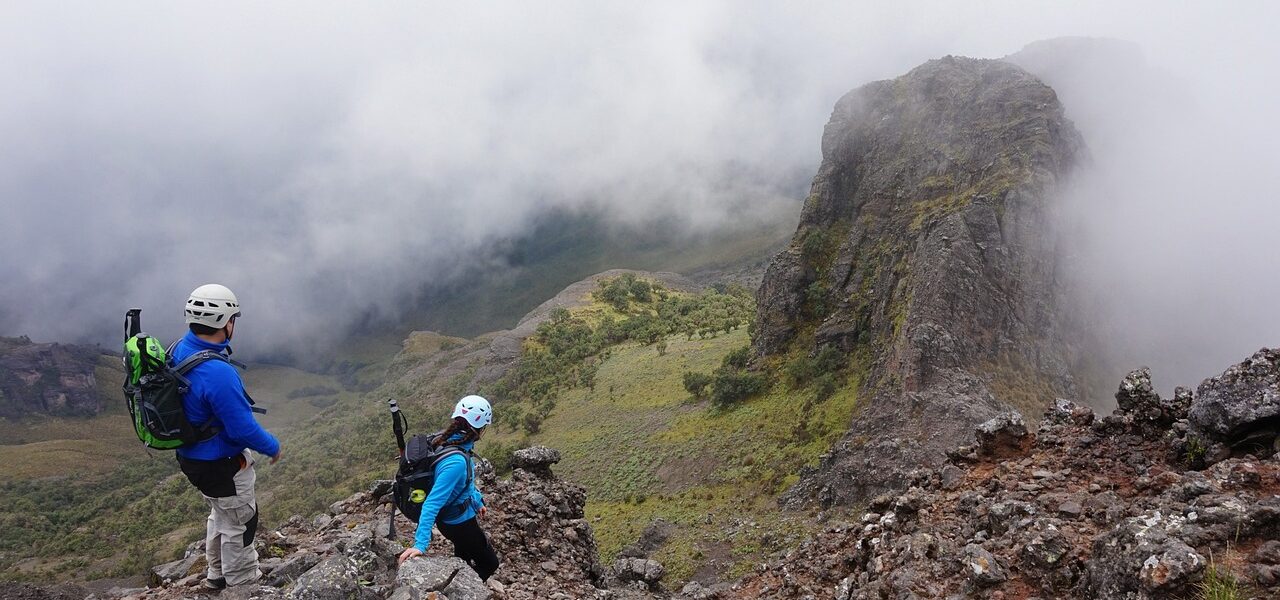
215	584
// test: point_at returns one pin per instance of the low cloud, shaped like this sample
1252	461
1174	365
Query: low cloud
327	162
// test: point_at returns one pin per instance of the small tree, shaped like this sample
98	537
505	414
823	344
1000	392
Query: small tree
696	383
731	387
642	291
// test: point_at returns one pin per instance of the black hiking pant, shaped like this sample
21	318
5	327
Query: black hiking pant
472	546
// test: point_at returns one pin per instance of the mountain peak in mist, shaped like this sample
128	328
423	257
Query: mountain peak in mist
923	254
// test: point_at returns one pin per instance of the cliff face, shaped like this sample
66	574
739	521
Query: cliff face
923	254
47	379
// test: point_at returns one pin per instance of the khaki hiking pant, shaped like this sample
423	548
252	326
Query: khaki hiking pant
229	532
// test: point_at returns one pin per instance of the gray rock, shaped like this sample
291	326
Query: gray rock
173	571
1003	436
380	487
1138	556
1136	393
372	553
646	571
951	477
1268	553
1002	516
335	578
983	568
1046	549
1242	405
1172	569
1070	509
537	459
450	576
291	568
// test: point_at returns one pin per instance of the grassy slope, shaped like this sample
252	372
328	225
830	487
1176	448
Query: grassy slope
645	449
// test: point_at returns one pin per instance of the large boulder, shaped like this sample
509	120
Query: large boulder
335	578
1241	407
449	576
1003	436
536	459
647	573
1138	398
1140	557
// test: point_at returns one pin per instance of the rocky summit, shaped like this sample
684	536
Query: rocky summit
923	254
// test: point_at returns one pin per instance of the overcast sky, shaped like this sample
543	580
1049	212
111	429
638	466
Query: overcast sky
327	160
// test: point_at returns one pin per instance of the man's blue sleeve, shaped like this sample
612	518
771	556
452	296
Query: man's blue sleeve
231	405
449	473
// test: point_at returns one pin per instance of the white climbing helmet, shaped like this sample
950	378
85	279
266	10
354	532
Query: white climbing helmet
475	410
212	305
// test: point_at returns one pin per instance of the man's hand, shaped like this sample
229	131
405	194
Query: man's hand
408	553
276	458
480	513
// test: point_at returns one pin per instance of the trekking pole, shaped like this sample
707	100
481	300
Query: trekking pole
397	426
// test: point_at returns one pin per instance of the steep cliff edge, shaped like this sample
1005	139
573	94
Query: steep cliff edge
923	255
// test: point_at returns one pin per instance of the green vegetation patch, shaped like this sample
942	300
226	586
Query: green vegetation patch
645	447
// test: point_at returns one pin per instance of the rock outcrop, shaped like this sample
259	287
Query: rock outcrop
48	379
923	253
534	521
1090	508
1239	410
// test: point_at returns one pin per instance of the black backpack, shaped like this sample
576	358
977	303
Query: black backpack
154	387
416	473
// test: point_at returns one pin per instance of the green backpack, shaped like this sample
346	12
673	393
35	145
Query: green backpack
154	387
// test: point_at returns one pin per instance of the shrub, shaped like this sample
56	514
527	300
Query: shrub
696	383
731	387
824	386
642	291
738	359
500	455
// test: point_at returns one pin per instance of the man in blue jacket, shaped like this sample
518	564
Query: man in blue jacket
221	466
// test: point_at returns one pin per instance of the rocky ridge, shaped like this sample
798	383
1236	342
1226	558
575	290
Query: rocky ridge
1132	505
535	521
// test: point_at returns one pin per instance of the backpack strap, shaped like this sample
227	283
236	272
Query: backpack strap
181	369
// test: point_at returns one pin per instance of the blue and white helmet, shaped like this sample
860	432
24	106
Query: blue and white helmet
475	410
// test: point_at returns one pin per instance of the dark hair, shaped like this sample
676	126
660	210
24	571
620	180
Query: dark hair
199	329
457	425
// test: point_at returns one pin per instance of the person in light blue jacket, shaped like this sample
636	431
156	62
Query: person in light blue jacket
454	504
